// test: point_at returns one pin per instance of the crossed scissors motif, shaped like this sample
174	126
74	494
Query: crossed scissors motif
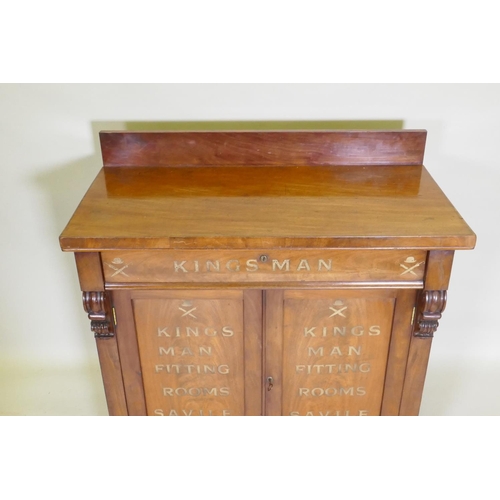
118	270
337	311
188	313
410	269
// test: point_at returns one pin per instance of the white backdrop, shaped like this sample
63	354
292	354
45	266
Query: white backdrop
49	155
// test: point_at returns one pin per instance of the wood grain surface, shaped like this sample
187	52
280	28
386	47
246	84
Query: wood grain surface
275	265
126	209
335	352
264	273
192	349
181	149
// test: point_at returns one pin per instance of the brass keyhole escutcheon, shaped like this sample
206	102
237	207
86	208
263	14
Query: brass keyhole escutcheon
269	383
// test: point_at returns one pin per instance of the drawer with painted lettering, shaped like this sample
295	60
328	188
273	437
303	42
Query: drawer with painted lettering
401	267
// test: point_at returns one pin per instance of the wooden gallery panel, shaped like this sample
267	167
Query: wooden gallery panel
192	348
335	352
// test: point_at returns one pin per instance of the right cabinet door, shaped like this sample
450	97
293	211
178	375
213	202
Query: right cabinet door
336	352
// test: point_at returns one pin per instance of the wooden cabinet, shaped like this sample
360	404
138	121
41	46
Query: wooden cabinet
264	273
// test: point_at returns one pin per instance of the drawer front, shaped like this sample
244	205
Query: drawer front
260	266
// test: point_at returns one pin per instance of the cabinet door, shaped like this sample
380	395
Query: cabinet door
191	352
336	352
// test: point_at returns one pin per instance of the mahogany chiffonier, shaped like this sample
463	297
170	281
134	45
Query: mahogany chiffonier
264	273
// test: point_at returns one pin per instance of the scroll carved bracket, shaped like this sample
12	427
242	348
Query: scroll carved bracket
98	306
430	307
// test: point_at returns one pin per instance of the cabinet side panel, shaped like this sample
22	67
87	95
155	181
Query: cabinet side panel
90	272
415	376
191	347
129	355
398	352
437	277
91	279
109	360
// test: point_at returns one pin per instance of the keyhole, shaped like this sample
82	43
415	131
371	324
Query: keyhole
269	383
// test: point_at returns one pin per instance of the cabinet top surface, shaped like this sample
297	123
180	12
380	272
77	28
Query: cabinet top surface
246	205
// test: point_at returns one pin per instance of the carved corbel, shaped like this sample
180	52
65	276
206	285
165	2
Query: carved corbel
430	307
98	306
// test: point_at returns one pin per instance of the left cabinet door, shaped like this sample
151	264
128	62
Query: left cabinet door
190	352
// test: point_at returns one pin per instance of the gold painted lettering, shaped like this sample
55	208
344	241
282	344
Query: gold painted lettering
163	331
169	351
346	392
179	266
196	266
215	266
284	266
364	367
333	368
342	331
303	265
335	351
315	352
196	391
192	331
252	265
199	369
184	351
332	391
333	413
190	413
322	263
350	368
188	331
236	266
227	331
357	331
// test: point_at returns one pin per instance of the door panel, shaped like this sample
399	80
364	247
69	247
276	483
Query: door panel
333	354
192	351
